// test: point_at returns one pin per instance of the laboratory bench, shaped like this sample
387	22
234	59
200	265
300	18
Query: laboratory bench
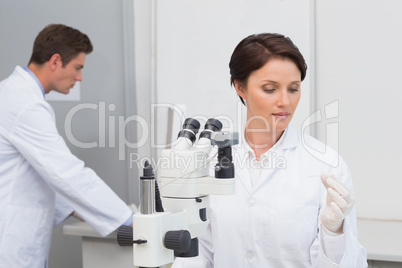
98	251
382	240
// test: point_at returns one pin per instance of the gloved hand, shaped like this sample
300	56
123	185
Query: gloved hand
339	203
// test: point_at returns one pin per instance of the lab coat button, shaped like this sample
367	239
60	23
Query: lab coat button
249	255
251	202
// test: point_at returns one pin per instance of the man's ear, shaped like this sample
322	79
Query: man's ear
240	89
55	61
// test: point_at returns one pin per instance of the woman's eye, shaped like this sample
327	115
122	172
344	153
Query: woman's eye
269	90
294	89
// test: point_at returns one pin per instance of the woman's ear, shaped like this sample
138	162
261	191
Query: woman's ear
240	89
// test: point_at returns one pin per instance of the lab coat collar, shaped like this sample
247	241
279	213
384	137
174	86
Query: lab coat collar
288	140
26	76
36	80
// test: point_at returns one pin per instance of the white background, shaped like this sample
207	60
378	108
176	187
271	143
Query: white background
359	64
194	43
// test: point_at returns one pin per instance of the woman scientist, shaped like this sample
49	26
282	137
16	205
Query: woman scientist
290	209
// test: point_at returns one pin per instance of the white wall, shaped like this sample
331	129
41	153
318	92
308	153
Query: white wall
359	59
144	55
194	42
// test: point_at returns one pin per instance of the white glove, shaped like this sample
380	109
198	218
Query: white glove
339	203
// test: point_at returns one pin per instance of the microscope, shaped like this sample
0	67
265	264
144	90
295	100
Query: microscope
173	210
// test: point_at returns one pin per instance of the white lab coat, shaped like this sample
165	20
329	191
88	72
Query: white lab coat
41	182
275	223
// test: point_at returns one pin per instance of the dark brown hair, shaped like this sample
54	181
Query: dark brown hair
59	39
256	50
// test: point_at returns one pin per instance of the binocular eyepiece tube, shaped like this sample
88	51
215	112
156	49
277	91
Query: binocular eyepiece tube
191	126
190	129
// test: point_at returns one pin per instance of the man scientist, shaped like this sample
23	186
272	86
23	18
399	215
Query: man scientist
41	181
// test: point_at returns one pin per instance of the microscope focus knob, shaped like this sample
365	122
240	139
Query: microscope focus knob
179	241
125	236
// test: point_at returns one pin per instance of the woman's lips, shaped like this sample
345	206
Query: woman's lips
282	115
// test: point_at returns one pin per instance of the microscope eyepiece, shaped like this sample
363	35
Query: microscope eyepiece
212	125
187	134
192	124
190	129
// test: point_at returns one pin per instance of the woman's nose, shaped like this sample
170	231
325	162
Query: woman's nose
283	99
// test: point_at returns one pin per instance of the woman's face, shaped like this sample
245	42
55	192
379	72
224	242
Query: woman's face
271	95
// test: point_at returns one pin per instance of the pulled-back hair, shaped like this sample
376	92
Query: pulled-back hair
256	50
63	40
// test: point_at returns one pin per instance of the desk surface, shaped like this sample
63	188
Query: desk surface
382	239
83	229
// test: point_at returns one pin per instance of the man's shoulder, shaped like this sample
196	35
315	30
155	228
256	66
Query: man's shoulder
18	96
19	88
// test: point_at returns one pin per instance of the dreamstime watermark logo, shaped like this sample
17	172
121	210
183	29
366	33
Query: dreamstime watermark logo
112	133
